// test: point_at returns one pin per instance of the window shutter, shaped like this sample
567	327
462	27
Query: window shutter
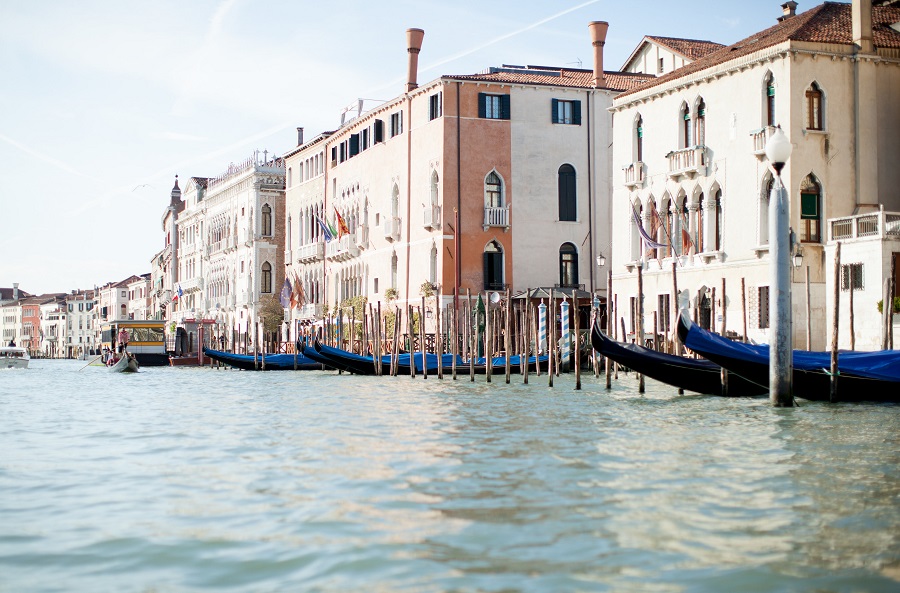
379	130
554	111
809	206
354	144
482	98
486	268
504	106
576	112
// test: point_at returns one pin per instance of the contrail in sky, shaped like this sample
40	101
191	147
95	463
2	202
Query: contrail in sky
47	159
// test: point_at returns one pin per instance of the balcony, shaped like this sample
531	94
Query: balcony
191	284
342	249
879	225
496	216
634	175
687	162
313	252
432	218
392	228
311	311
760	137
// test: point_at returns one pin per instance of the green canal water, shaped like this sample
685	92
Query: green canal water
210	480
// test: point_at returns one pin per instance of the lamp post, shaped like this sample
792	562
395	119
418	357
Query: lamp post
778	151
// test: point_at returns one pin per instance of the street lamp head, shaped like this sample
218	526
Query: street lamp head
778	149
797	257
601	260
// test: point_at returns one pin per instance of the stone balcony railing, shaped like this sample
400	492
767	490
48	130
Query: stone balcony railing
759	138
342	249
362	236
311	311
497	216
634	175
687	162
432	218
877	225
191	284
392	228
311	252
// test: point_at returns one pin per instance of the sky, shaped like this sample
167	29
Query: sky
103	102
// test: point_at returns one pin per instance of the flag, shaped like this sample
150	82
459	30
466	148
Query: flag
334	233
178	293
686	241
637	221
296	293
325	230
301	296
341	224
285	297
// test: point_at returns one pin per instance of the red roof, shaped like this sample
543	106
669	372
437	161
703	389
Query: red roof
550	76
827	23
689	48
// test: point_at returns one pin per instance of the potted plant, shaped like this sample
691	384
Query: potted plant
427	289
391	294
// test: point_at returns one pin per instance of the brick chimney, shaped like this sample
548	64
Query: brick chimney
598	40
862	25
789	9
299	136
15	291
414	46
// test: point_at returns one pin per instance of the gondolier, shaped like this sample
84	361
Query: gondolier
122	339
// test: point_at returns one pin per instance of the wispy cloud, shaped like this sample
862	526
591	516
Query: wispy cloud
48	159
178	137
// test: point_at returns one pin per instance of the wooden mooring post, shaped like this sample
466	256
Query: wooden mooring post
832	396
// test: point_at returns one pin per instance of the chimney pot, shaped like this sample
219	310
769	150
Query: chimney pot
598	40
414	46
861	12
299	136
788	10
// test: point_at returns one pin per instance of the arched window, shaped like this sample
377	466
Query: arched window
717	235
493	266
493	190
266	279
639	139
288	238
434	189
267	221
394	271
669	227
290	175
770	99
432	268
701	123
635	231
814	107
395	202
568	265
810	202
654	229
698	221
686	126
567	199
768	182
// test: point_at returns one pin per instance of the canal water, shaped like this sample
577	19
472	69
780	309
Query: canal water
198	479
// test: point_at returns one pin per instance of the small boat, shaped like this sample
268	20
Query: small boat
862	376
14	357
273	362
699	376
343	360
126	364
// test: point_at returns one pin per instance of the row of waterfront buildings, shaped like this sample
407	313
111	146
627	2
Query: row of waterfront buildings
526	176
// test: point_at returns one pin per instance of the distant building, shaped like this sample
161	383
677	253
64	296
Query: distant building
81	323
661	55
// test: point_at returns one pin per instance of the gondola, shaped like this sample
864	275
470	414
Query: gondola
126	364
863	376
343	360
273	362
699	376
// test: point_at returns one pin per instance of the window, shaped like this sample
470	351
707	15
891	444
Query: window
493	106
717	235
435	106
639	140
770	100
493	266
661	66
852	277
763	314
567	198
365	139
701	123
565	112
686	126
814	107
378	131
290	176
698	220
810	201
266	278
764	210
432	268
396	123
267	220
663	312
394	271
493	190
354	145
375	283
669	228
568	265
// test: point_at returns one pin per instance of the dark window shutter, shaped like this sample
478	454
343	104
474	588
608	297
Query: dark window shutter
482	112
576	113
486	269
334	153
379	130
504	106
554	111
354	144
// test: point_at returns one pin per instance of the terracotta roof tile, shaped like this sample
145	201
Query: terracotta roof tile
690	48
548	76
827	23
